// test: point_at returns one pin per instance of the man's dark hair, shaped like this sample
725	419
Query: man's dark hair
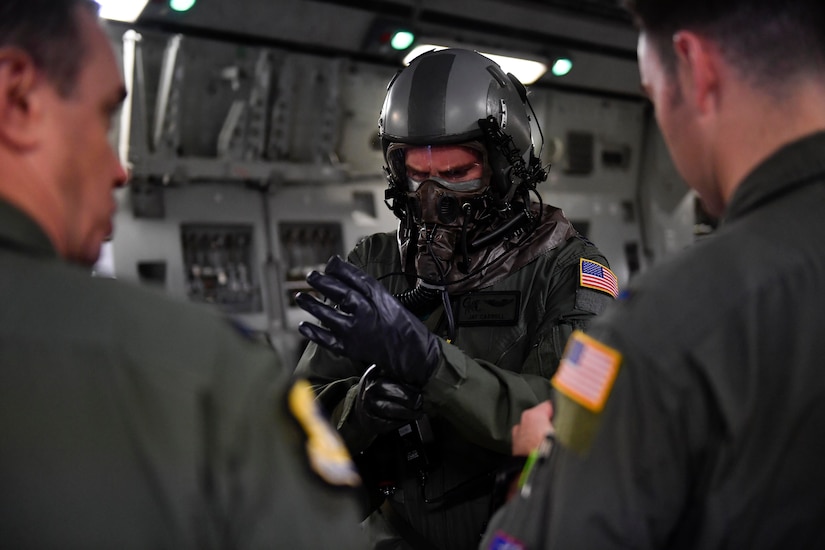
767	40
49	32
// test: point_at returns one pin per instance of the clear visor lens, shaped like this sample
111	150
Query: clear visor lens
460	168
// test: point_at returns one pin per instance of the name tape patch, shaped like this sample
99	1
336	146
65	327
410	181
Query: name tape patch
489	308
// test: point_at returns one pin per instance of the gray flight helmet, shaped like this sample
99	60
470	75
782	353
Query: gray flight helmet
440	99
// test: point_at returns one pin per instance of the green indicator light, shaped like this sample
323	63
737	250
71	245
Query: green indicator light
181	5
561	66
402	40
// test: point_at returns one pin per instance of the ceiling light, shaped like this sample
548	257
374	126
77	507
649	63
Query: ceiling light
121	10
526	70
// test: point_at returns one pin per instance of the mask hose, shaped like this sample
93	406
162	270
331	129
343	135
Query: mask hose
420	300
424	298
464	265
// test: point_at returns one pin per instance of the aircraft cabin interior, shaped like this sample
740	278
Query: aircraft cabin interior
250	131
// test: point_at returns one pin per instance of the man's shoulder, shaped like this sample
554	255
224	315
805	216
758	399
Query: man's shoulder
65	308
581	246
677	300
376	243
570	252
699	266
376	251
147	302
134	318
67	288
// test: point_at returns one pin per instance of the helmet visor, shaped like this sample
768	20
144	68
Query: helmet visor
460	168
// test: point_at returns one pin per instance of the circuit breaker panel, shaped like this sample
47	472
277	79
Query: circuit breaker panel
307	246
219	266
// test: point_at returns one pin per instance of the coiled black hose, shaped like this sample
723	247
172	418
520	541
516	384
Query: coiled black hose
420	300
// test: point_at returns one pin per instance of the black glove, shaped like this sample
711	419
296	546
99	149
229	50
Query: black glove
383	405
369	325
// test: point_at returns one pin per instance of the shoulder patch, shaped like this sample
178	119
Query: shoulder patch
248	333
587	371
240	328
598	277
328	456
504	541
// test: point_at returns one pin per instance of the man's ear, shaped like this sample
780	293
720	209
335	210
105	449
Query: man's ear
19	101
698	69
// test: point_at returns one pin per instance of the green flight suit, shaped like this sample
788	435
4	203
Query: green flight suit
507	345
711	435
128	420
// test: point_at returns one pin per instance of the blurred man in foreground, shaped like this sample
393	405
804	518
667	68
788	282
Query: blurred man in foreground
128	420
691	414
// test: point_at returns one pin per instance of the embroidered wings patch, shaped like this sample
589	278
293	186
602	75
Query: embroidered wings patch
326	451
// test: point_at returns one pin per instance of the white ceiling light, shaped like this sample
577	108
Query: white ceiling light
526	70
121	10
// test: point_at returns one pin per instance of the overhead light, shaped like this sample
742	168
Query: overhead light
526	70
561	66
121	10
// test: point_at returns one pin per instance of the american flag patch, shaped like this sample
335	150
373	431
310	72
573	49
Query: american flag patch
595	275
587	371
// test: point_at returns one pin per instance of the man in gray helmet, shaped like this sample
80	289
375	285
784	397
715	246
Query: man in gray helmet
425	372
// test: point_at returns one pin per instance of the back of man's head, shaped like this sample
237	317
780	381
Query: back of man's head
768	41
48	31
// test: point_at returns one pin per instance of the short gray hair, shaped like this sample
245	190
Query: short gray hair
49	32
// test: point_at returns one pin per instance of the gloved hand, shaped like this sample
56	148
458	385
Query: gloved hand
369	324
383	405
